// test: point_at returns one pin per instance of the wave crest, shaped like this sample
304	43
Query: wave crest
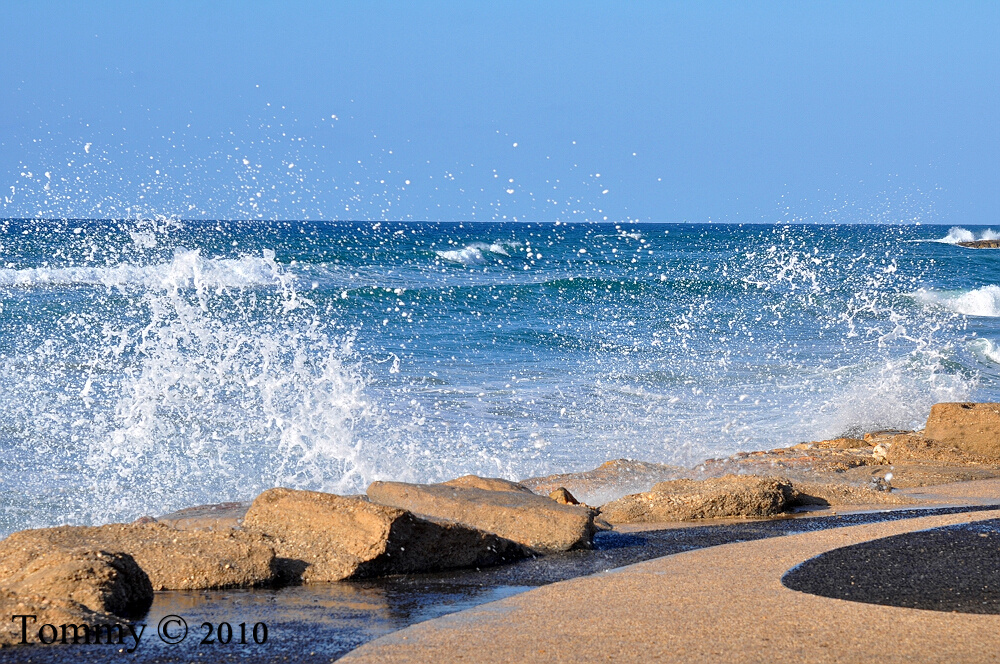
473	254
983	301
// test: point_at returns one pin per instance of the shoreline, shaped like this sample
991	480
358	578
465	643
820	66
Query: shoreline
270	543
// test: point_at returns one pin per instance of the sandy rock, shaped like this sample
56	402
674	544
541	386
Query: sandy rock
844	443
874	493
682	500
610	480
917	447
58	611
881	453
971	427
220	516
324	537
980	244
173	559
537	522
487	484
98	580
563	497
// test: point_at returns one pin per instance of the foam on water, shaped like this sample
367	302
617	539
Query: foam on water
984	301
473	254
188	269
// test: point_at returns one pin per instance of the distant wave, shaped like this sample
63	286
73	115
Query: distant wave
958	234
983	301
473	254
188	269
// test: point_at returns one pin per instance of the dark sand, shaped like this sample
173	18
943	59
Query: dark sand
948	569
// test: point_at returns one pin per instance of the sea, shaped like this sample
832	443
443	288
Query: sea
152	364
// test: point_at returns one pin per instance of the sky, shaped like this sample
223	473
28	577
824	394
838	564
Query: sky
652	111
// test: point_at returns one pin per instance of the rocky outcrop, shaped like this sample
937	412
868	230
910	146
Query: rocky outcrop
101	581
173	559
683	500
971	427
325	537
536	522
980	244
487	484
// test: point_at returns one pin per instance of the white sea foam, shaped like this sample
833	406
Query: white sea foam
473	254
958	234
983	301
986	349
188	269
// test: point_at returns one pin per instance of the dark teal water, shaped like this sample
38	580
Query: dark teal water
150	365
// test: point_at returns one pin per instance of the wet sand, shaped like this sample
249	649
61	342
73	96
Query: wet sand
728	603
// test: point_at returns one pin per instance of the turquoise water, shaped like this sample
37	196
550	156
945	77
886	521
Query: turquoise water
149	365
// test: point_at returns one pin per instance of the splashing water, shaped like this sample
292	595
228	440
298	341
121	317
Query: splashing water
150	365
958	234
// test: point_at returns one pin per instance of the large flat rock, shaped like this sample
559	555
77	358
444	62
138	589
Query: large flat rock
537	522
173	559
971	427
681	500
325	537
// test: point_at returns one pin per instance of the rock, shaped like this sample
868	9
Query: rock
563	497
487	484
971	427
220	516
876	492
980	244
98	580
918	447
682	500
844	443
610	480
537	522
324	537
173	559
57	611
881	453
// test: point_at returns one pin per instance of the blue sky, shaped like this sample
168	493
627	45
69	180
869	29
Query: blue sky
733	112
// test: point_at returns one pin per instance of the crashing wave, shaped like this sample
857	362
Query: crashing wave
958	234
983	301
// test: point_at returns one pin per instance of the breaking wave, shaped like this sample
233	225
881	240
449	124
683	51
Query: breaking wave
475	253
983	301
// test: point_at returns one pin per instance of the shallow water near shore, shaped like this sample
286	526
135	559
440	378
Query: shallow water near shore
317	623
153	364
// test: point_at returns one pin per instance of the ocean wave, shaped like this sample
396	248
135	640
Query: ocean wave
473	254
188	269
983	301
958	234
986	349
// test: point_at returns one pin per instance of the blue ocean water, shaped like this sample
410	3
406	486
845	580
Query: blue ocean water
148	365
